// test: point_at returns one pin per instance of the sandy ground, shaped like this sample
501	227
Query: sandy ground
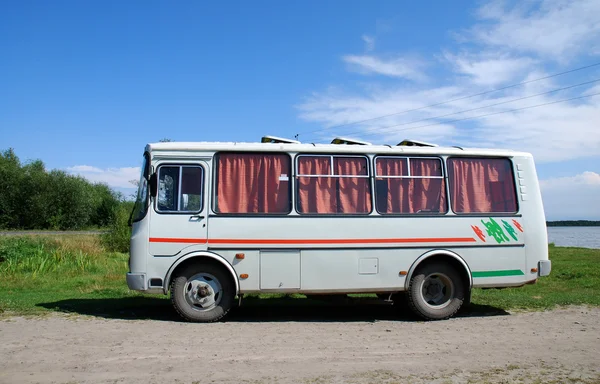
555	346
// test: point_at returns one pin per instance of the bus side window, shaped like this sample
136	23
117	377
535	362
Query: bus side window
409	185
482	185
175	195
252	183
168	183
191	189
333	184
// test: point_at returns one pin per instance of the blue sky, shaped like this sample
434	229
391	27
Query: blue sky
85	85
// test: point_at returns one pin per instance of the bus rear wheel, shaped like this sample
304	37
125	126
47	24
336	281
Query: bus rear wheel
202	293
436	291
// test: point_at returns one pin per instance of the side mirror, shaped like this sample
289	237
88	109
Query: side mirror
153	185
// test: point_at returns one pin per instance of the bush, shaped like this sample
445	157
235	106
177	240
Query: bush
33	198
106	202
10	180
119	233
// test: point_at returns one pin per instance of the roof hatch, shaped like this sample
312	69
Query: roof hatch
275	139
345	140
415	143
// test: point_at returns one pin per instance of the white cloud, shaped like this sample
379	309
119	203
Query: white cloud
489	71
114	177
585	178
394	67
554	29
558	132
369	42
573	197
334	108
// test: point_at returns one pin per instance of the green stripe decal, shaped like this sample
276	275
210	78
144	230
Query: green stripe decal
510	272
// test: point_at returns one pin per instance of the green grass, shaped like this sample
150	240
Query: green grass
45	273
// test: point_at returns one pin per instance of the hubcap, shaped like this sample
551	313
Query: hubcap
437	290
202	292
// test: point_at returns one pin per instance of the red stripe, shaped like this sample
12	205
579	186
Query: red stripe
175	240
341	241
317	241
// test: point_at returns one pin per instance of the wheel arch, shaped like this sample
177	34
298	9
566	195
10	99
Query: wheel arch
442	255
196	256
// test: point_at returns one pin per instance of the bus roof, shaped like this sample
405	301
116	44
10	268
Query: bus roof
190	147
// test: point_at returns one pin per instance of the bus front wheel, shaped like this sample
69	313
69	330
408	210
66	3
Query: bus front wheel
436	291
202	293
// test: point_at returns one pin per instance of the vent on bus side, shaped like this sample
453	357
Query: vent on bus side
275	139
415	143
347	141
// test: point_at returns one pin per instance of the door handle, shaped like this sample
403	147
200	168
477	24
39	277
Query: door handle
196	218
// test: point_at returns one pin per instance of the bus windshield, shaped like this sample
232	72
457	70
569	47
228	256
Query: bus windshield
141	202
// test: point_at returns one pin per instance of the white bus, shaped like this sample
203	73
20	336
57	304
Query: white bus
216	221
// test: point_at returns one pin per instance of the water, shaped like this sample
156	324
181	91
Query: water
586	237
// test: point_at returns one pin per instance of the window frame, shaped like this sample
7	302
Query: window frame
443	176
215	176
297	174
486	214
180	166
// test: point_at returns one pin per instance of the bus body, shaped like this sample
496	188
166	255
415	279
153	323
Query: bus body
213	221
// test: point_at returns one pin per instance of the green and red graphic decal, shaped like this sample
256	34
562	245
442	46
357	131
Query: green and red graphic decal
500	232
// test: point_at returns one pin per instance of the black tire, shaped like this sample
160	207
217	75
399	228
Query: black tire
187	304
466	305
436	291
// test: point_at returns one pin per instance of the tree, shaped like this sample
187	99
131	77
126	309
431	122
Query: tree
33	198
10	179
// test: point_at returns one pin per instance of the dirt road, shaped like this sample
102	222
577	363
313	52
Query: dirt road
555	346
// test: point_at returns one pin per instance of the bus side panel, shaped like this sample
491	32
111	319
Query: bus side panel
341	269
351	269
368	253
495	266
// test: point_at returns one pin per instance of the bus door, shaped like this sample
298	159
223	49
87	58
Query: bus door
180	218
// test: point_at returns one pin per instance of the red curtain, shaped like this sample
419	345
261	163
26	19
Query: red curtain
410	195
481	185
324	194
316	194
354	192
253	183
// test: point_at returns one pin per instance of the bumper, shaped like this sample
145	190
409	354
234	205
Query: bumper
137	281
544	267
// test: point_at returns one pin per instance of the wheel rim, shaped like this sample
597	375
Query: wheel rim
203	292
437	290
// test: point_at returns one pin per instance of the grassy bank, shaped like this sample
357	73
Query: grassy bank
41	274
44	269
